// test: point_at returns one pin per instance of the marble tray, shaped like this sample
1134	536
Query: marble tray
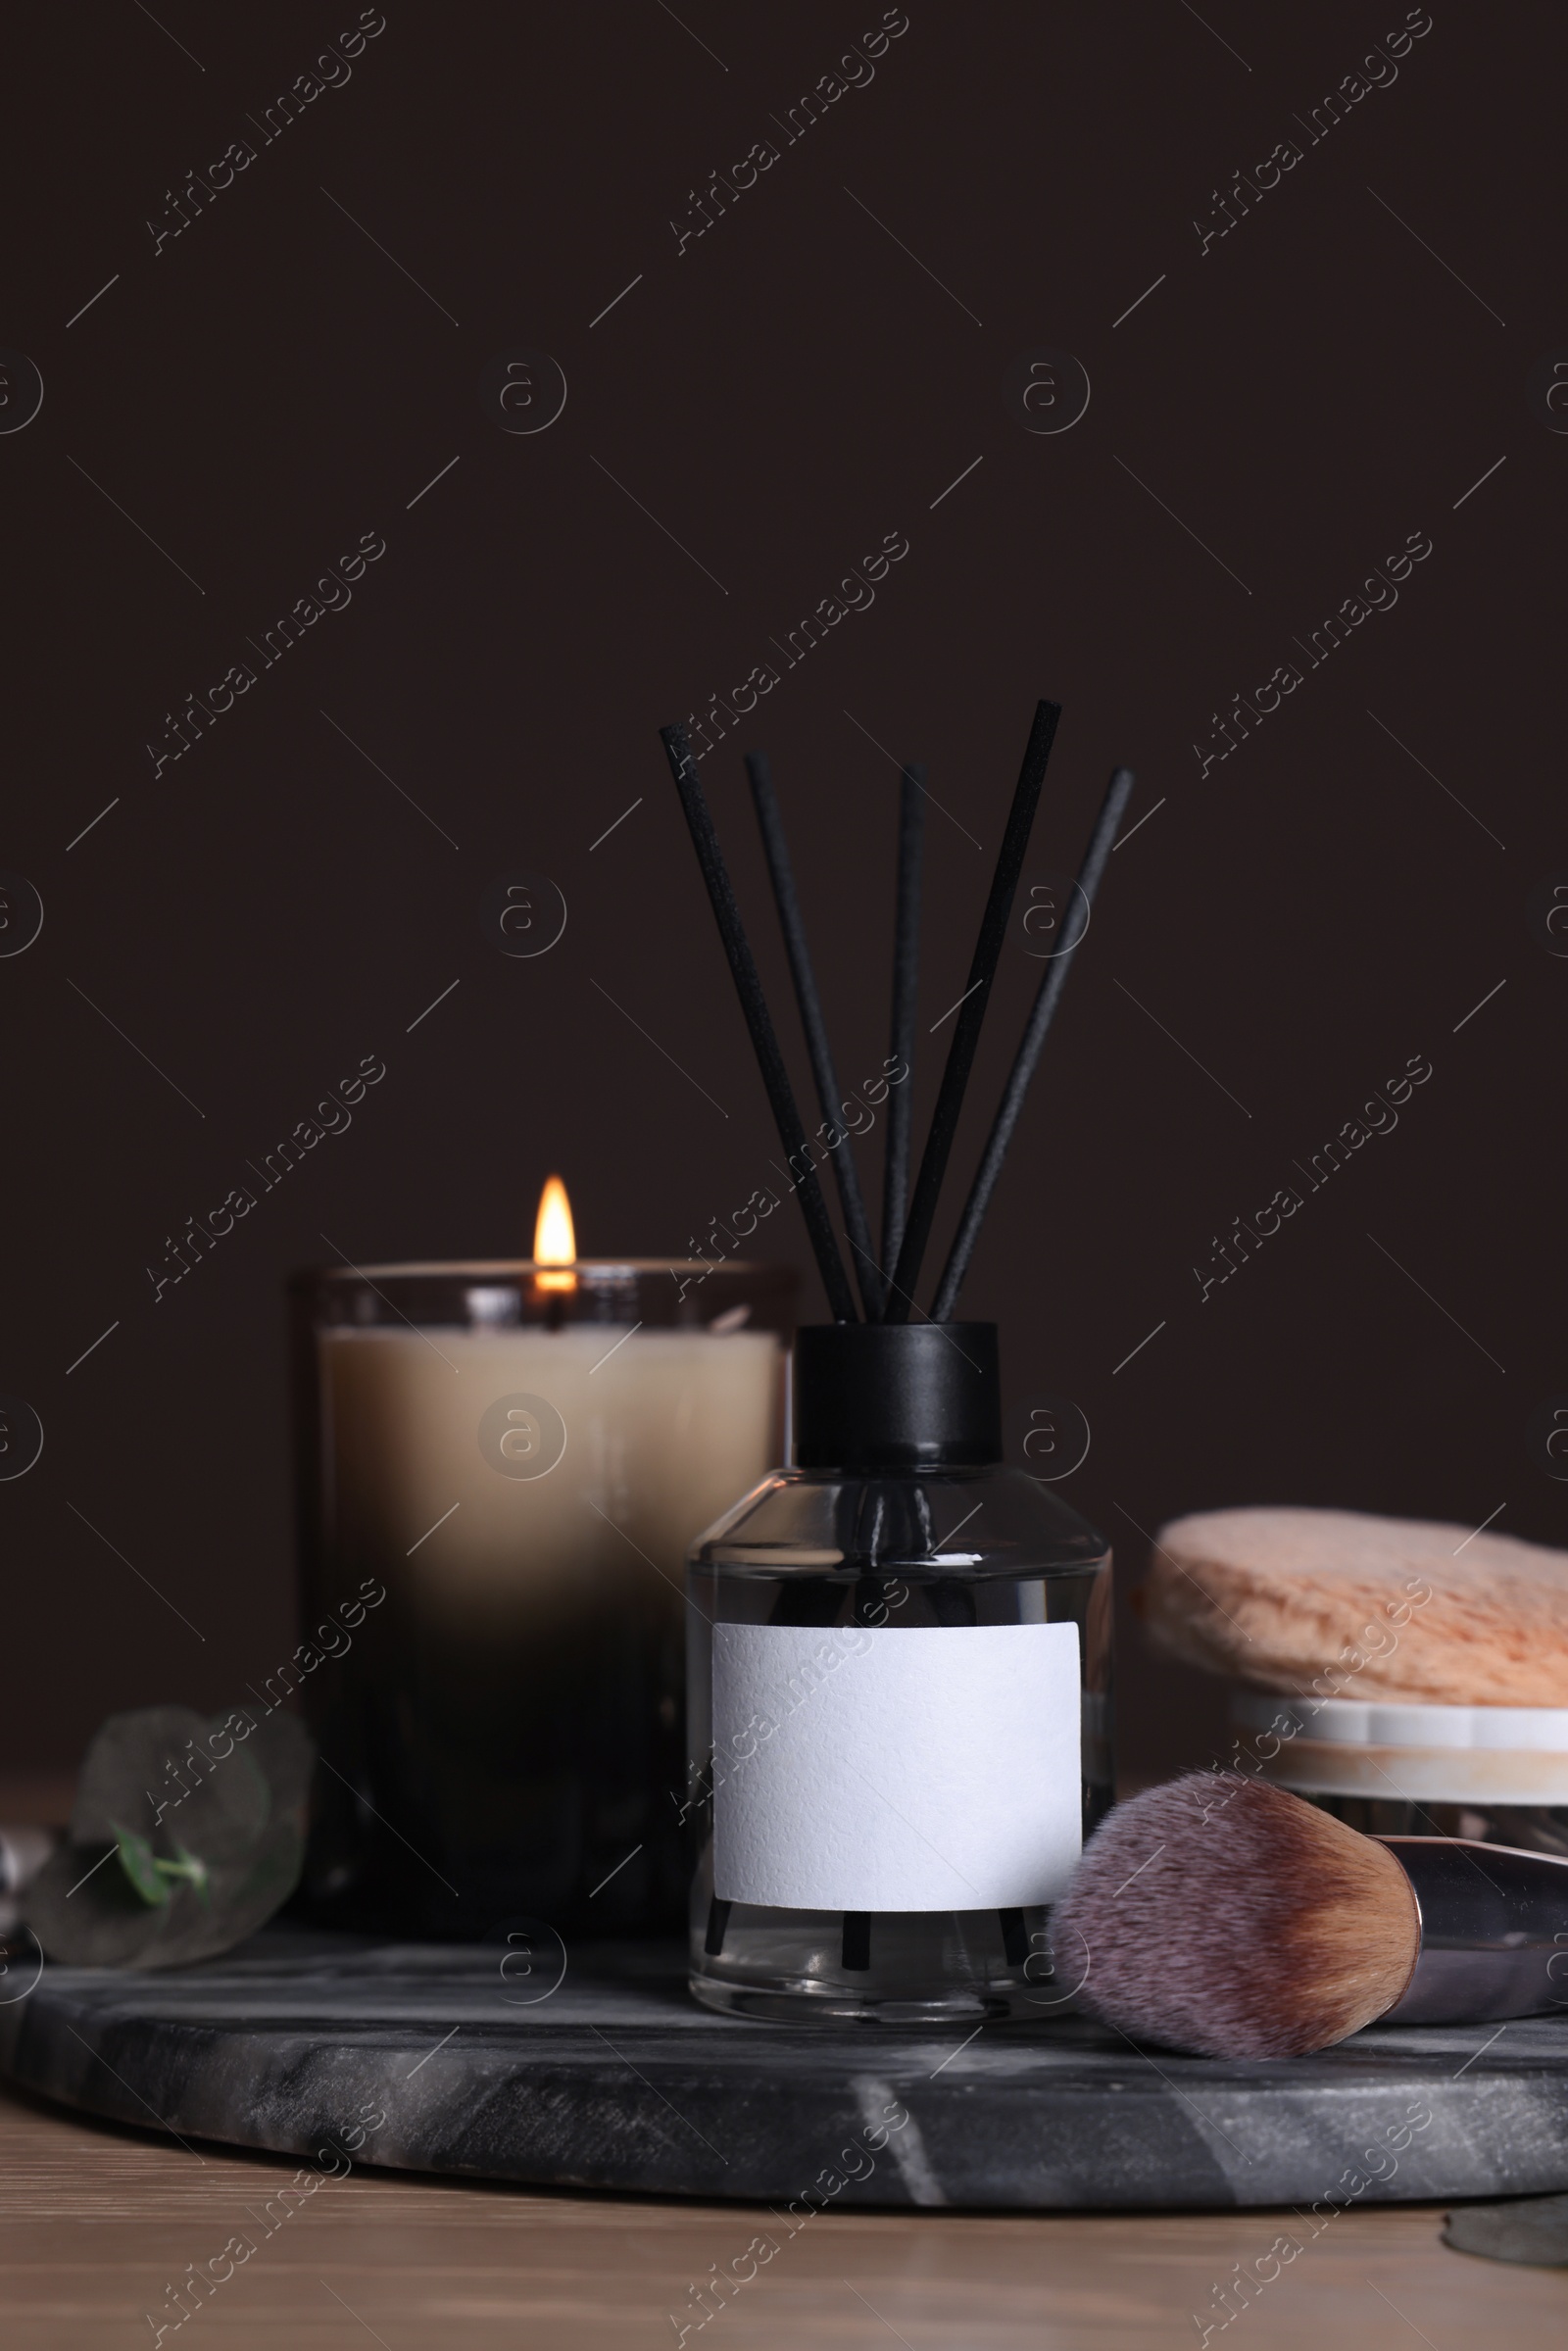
442	2058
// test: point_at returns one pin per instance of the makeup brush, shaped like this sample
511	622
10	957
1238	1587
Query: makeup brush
1223	1915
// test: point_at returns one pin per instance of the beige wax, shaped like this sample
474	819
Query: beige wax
664	1432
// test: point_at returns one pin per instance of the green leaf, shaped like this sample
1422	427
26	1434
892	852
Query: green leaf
141	1866
229	1797
196	1873
156	1767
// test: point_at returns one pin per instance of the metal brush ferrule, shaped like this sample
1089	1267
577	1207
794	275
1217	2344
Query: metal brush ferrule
1493	1931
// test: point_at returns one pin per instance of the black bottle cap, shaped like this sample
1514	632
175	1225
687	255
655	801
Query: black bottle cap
897	1396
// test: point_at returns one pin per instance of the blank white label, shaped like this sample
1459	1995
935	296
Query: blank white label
859	1768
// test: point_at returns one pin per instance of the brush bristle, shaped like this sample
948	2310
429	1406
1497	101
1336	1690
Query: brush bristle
1225	1916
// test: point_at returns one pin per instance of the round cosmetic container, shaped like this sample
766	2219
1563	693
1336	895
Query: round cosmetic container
1496	1774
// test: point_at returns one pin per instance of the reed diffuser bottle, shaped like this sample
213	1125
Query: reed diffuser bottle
899	1689
899	1664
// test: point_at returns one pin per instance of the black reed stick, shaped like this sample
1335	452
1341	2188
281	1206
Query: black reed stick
906	1001
748	988
787	900
1014	1938
971	1012
1100	844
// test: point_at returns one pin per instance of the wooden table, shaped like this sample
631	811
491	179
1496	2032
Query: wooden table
97	2222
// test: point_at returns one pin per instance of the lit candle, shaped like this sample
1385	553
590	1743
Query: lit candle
521	1457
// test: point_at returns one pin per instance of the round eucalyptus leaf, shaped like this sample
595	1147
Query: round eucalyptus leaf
187	1835
154	1771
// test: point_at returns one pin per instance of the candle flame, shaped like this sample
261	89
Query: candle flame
555	1243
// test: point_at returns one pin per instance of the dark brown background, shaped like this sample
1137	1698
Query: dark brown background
781	395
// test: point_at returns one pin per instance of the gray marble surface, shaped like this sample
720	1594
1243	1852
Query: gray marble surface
438	2062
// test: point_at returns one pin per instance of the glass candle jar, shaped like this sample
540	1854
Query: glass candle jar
501	1469
898	1701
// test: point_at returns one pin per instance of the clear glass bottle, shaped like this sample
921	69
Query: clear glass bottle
898	1702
